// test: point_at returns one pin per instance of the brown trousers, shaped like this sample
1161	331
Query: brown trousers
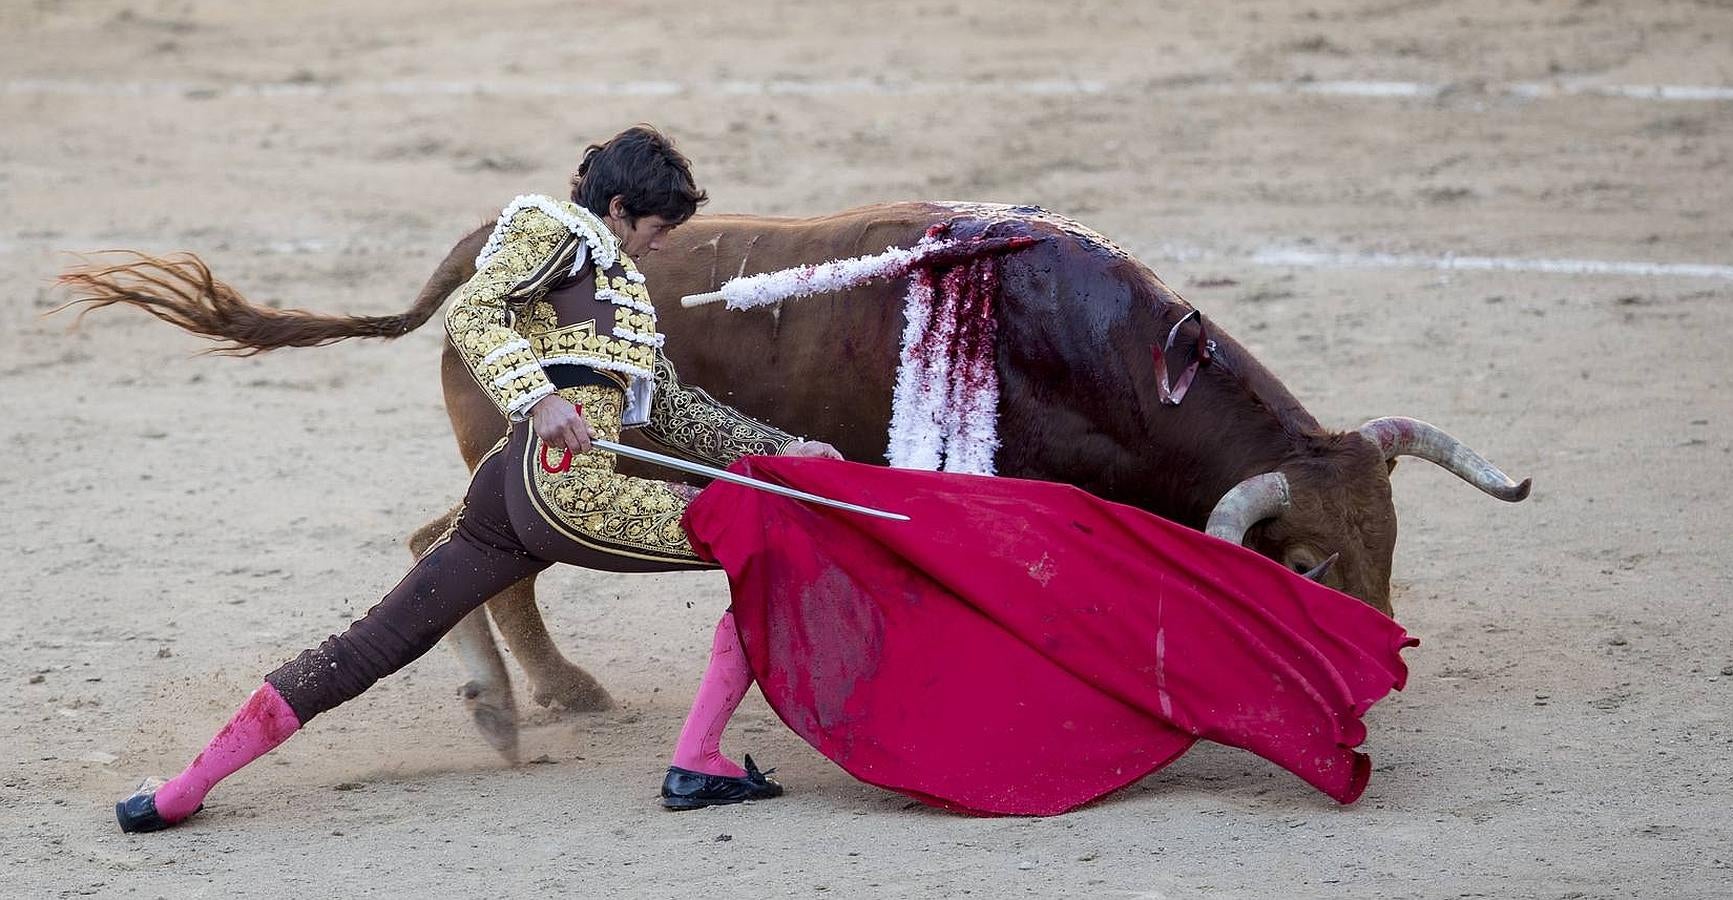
516	521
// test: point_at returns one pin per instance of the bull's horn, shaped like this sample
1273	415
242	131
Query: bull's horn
1402	436
1251	501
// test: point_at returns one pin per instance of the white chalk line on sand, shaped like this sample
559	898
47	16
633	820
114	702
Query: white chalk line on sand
1311	259
720	87
1277	256
1533	90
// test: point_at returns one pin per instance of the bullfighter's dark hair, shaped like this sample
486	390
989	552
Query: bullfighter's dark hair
641	166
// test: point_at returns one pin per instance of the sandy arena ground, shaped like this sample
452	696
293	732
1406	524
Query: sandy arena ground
176	525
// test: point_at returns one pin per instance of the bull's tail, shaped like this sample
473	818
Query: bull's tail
181	291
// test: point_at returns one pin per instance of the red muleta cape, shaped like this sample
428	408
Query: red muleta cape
1022	647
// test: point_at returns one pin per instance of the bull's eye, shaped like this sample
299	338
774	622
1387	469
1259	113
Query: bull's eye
1313	571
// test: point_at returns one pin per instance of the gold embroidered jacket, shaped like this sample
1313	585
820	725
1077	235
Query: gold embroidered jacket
506	332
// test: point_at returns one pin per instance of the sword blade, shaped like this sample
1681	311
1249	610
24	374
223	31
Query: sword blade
742	480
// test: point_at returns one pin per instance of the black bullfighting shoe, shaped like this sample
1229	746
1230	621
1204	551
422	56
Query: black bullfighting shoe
137	813
686	789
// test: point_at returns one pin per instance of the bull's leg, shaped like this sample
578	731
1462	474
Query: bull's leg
553	678
487	692
478	426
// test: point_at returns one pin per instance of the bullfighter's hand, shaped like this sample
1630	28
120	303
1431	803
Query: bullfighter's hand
819	449
559	424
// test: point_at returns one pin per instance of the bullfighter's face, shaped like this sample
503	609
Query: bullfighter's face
639	236
645	235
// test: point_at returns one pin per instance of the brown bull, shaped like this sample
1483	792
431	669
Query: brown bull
1077	322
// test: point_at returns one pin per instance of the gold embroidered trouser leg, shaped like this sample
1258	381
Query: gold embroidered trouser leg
590	512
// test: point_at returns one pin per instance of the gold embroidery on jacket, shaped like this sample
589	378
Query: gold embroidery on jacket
691	422
479	320
504	329
538	316
584	346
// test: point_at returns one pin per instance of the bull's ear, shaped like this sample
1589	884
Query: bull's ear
1390	465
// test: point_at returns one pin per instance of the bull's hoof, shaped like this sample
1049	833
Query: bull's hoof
571	688
495	714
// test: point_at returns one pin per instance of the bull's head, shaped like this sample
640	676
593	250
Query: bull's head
1330	516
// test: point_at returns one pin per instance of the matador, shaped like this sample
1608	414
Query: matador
557	327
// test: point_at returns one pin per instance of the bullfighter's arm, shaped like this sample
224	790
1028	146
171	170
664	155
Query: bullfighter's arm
536	251
692	423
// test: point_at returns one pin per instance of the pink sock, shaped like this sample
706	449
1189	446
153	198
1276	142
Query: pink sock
261	723
724	686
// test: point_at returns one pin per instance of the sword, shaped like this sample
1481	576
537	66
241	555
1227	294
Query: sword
670	462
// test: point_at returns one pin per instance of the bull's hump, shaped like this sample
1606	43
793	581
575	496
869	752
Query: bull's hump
1034	219
904	211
